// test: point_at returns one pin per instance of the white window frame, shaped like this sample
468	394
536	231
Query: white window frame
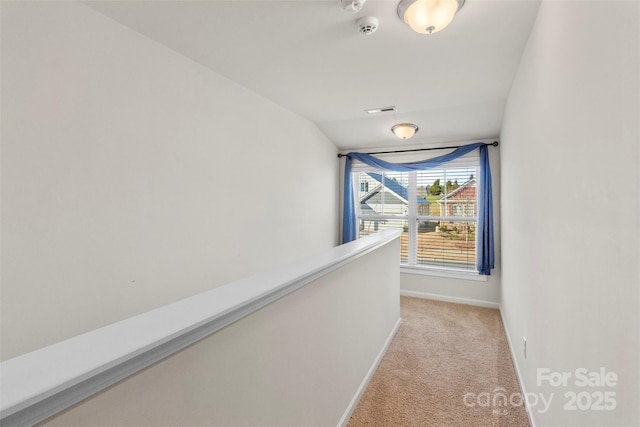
412	218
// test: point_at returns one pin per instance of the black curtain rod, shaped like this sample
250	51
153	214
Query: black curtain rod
493	144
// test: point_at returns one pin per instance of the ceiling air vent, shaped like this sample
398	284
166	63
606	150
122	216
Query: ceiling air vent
381	110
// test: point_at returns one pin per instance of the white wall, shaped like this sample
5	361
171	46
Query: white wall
132	176
570	213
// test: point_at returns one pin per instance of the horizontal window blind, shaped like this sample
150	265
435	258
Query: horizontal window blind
435	208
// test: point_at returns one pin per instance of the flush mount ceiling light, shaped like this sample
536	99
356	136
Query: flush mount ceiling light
404	130
428	16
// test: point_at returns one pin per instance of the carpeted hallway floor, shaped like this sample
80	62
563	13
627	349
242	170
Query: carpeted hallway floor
448	365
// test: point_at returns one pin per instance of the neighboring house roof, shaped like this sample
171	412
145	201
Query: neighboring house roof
458	191
365	209
395	187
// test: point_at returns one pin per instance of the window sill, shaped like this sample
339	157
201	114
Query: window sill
452	274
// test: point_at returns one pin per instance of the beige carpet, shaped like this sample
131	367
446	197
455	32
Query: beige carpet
443	354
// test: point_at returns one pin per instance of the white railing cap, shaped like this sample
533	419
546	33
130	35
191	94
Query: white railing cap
36	385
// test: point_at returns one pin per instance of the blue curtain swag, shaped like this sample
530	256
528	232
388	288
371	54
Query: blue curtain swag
484	233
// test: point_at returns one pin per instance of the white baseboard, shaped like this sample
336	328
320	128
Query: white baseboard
365	382
446	298
488	304
517	368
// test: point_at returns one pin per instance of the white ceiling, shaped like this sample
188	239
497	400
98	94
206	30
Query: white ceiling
309	57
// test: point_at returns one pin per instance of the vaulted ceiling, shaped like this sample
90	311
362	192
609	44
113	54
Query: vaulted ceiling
308	56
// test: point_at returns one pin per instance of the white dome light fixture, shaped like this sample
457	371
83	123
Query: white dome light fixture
428	16
404	130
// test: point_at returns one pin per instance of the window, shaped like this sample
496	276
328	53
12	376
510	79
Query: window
436	209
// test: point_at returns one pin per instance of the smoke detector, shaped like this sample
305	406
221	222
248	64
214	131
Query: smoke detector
367	24
352	6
